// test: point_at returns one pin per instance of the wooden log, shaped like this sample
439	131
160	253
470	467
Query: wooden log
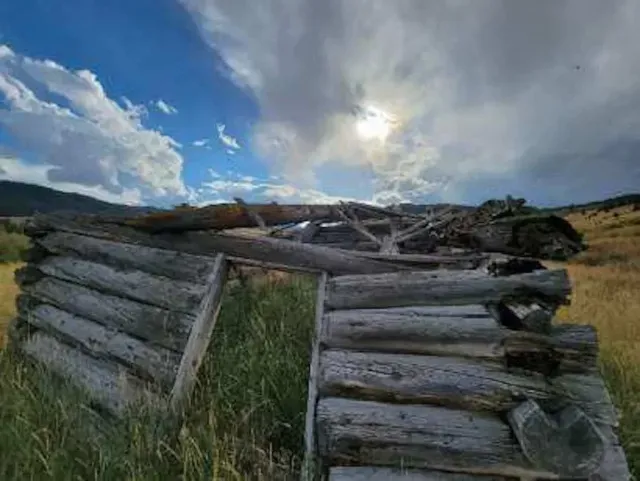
371	473
151	363
442	287
35	253
158	326
159	262
266	249
614	466
112	387
588	390
465	331
199	336
375	434
446	381
311	466
426	260
309	231
569	444
158	291
27	275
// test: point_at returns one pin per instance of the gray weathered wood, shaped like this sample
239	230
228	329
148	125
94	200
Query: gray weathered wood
310	469
153	363
376	434
159	326
441	287
589	391
277	251
309	231
467	331
131	284
614	466
402	378
159	262
371	473
200	336
113	387
569	444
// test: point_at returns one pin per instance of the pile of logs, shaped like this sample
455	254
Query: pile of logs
457	376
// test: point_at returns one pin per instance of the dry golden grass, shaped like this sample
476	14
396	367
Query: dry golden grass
8	292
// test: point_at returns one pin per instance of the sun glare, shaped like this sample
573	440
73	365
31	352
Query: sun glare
374	124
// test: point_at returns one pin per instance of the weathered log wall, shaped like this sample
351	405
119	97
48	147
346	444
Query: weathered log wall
426	376
122	320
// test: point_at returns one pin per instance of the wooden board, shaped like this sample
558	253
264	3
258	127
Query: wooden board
200	335
159	326
310	466
371	473
179	296
112	386
376	434
153	363
441	287
160	262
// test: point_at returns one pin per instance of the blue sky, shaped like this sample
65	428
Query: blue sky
166	101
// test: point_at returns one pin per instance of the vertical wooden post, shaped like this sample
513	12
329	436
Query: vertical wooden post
200	336
310	469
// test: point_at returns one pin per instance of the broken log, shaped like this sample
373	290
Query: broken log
152	363
461	331
159	326
442	287
111	385
568	444
369	433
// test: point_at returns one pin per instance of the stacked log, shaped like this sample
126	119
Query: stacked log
116	318
426	376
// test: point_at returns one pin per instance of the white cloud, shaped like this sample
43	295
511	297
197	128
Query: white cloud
480	90
226	139
200	143
165	107
66	121
19	171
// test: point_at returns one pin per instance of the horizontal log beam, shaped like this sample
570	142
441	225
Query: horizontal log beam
160	262
179	296
158	326
266	249
371	473
114	388
152	363
368	433
442	287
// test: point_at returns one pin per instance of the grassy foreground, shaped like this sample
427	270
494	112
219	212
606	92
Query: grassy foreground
247	418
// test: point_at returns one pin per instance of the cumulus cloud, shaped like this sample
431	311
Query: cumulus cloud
165	107
65	120
19	171
224	188
537	94
226	139
201	143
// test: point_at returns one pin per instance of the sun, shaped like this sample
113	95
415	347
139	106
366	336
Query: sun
374	124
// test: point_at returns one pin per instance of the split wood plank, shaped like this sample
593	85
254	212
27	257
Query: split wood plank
371	473
376	434
151	362
441	287
160	262
158	326
110	385
179	296
200	336
310	467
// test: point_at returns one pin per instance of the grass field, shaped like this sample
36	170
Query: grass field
247	418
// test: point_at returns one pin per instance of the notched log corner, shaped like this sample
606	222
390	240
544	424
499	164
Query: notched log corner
568	443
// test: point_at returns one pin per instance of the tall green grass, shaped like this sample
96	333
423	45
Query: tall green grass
12	243
245	422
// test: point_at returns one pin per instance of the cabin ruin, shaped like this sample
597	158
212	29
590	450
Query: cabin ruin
434	356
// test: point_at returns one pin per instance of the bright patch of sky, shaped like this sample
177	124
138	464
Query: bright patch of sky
165	101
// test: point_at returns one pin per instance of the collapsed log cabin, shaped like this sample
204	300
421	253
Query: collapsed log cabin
424	366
